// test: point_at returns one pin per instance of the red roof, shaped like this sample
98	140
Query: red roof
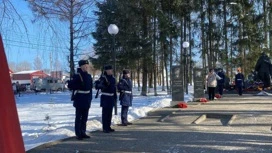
28	75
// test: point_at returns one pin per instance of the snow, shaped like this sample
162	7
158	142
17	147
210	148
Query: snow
26	72
50	117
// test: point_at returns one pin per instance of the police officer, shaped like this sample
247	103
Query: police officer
107	84
125	88
82	84
221	82
239	81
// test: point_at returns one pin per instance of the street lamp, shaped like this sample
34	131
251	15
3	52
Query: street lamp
185	45
113	30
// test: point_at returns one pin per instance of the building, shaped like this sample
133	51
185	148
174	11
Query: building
26	77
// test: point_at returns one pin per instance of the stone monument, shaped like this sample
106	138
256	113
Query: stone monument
198	83
177	84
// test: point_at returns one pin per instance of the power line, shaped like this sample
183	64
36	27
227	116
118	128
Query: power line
33	44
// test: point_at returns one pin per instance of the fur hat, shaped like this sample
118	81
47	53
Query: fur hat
83	62
125	71
108	67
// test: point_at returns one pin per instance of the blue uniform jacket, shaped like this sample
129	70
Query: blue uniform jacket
125	88
239	80
107	85
222	80
82	100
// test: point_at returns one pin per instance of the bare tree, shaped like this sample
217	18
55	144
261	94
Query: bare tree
9	17
23	66
76	13
57	65
37	65
12	66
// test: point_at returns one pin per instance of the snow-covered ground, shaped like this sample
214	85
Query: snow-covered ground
49	117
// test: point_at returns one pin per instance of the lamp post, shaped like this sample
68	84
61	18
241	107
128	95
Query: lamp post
113	30
185	45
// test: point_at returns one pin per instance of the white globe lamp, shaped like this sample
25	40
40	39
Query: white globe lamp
113	29
185	44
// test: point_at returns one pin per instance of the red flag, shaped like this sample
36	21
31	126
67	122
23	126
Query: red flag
11	140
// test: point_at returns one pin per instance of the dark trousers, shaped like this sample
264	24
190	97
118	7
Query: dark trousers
81	121
265	77
124	113
220	89
18	92
240	90
106	117
211	91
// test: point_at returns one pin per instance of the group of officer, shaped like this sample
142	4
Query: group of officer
81	84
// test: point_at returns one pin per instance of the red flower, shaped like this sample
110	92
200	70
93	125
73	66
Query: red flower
203	100
182	105
218	96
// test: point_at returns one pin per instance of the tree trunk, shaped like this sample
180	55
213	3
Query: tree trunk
231	55
181	51
144	76
270	30
190	64
145	58
150	83
72	66
138	76
210	59
265	24
185	57
204	59
226	38
134	78
166	70
162	67
171	62
154	55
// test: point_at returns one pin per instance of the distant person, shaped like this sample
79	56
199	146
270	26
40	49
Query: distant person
125	88
18	88
221	82
211	79
107	85
239	81
14	88
82	85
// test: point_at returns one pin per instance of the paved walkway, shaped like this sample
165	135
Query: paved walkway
233	124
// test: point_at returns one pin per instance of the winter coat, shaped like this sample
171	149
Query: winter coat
212	79
82	89
239	80
263	64
222	80
125	88
107	85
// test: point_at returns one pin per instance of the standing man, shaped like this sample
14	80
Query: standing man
107	85
239	81
82	85
221	82
18	88
125	88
